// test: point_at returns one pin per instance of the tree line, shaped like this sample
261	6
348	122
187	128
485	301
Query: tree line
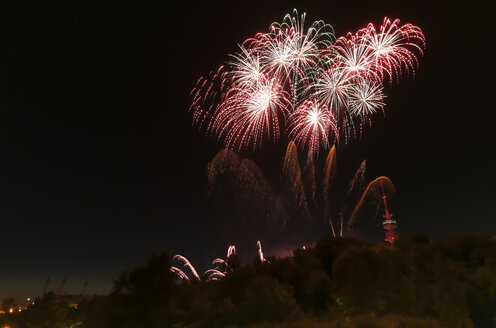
340	282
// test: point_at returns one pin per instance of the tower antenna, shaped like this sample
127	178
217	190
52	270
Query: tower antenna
389	224
46	286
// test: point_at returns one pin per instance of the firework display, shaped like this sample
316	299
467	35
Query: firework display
308	196
220	266
304	83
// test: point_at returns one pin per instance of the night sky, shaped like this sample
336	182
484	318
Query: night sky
101	165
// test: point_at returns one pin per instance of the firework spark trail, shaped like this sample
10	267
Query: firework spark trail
225	162
292	177
186	264
260	252
309	178
365	98
220	264
274	74
328	179
331	86
245	174
288	51
207	94
246	67
311	125
219	261
210	274
251	113
231	250
393	47
358	178
355	185
354	56
214	274
374	188
180	273
252	178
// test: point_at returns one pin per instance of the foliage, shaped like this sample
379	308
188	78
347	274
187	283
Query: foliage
341	282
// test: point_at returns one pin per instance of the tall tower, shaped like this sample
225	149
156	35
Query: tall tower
389	224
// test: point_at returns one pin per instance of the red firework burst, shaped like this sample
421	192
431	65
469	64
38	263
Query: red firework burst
311	126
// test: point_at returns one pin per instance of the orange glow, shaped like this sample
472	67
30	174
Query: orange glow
329	175
291	172
374	188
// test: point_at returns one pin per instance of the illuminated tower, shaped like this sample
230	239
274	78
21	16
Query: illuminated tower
389	224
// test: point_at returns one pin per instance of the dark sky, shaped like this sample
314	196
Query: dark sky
101	165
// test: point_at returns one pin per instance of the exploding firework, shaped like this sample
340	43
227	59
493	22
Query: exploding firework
304	83
394	47
332	87
207	95
245	67
365	98
252	112
260	252
310	126
290	51
354	57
